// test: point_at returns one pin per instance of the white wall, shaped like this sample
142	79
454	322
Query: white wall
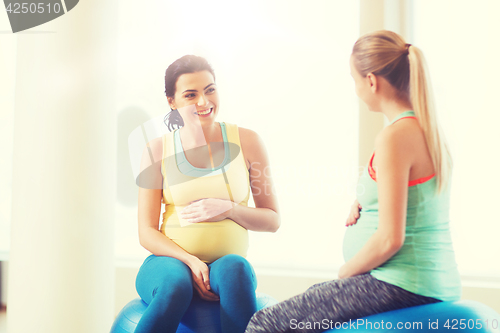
8	45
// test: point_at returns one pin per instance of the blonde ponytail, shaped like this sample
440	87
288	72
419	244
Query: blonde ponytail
422	100
385	53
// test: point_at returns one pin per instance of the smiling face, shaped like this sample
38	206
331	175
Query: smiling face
196	98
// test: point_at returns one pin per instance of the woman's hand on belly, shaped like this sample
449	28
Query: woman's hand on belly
354	214
207	210
201	281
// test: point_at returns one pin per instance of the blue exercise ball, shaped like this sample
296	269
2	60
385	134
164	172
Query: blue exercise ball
200	317
462	316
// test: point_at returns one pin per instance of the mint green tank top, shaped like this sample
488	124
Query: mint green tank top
425	264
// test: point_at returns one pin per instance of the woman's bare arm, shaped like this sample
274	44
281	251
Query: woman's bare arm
393	163
149	206
265	216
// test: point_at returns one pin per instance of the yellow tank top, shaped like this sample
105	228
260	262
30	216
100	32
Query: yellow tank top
230	181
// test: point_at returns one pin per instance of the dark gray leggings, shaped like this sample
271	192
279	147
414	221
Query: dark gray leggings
336	300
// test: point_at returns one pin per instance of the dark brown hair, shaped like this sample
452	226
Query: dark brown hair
184	65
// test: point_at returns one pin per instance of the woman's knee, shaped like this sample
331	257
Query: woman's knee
233	269
166	278
235	264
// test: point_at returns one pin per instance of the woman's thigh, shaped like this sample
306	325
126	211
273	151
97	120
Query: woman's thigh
163	274
335	301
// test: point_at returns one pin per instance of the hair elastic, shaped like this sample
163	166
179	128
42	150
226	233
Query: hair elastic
408	48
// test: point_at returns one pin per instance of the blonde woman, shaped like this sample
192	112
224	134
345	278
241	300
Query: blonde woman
397	248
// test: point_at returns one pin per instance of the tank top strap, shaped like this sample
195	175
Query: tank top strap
370	169
233	135
406	114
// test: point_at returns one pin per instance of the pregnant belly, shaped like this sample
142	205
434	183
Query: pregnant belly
356	236
210	240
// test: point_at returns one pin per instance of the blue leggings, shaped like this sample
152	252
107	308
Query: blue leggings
166	285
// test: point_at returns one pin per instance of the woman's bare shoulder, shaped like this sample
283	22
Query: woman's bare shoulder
402	135
247	134
250	139
252	144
